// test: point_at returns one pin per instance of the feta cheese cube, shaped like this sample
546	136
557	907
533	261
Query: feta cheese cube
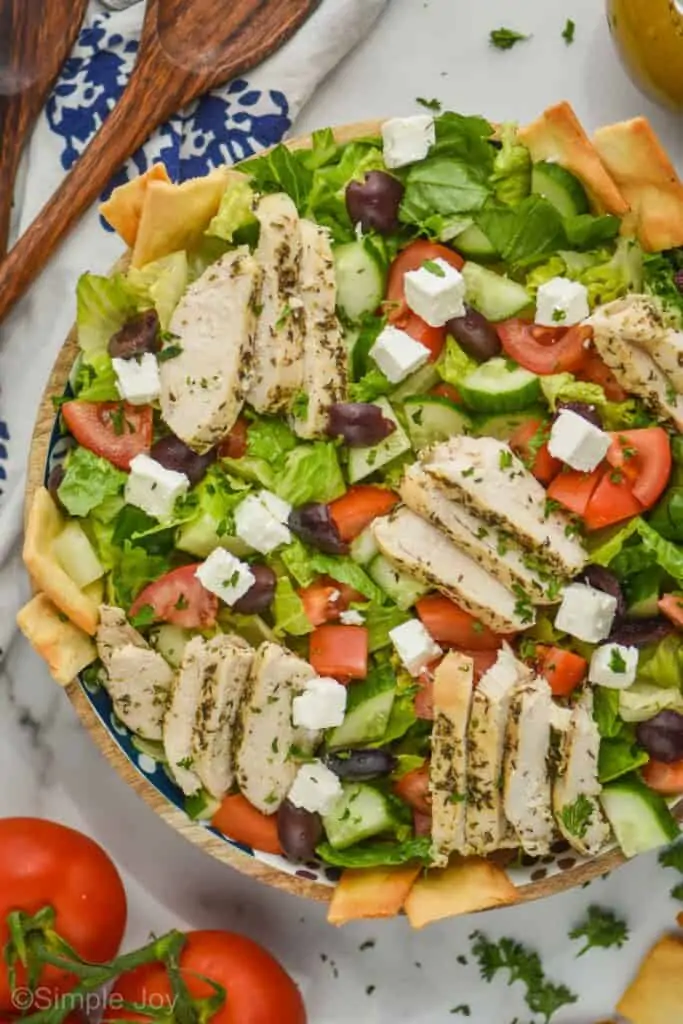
277	507
315	788
351	618
614	666
397	354
321	705
577	442
586	613
414	646
225	576
561	303
407	139
436	292
153	488
258	527
137	379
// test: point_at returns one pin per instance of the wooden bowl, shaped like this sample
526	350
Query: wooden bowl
534	881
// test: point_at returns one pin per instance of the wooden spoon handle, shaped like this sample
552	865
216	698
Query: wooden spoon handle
9	161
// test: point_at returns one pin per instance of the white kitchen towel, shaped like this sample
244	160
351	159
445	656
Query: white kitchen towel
233	122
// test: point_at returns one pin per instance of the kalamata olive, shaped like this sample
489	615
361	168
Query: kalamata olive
360	765
314	524
138	335
602	579
584	410
640	632
260	595
374	202
662	736
173	453
299	831
57	474
360	423
475	335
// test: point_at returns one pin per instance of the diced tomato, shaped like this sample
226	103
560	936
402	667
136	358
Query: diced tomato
339	651
564	670
566	354
358	507
524	441
611	502
644	457
398	312
424	698
422	823
444	390
664	778
241	821
483	661
413	788
325	600
433	338
114	430
234	444
671	605
179	598
573	489
594	370
448	624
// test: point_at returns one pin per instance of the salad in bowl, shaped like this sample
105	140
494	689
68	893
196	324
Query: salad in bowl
363	497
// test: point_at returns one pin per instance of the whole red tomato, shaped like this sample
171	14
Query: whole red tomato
258	990
44	864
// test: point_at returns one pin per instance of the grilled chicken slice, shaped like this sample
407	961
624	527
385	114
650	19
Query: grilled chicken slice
642	353
527	791
181	715
325	357
203	387
278	345
139	684
486	827
265	769
226	670
114	630
484	475
453	688
494	549
576	791
422	551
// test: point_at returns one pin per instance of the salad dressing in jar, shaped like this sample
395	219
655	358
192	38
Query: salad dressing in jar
649	38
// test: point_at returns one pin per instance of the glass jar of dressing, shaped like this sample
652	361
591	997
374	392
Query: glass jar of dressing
649	37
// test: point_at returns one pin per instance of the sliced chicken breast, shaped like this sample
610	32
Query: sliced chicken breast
453	688
203	388
527	790
277	373
114	630
180	717
226	670
642	354
488	479
576	791
265	768
422	551
139	684
493	548
325	356
486	826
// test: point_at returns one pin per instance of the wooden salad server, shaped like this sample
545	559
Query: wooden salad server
187	47
36	37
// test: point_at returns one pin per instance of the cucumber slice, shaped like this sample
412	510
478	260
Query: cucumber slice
640	818
500	385
364	461
503	426
151	748
360	279
367	712
170	641
418	383
494	296
474	244
364	547
202	806
76	555
560	188
200	537
403	590
431	419
362	811
642	593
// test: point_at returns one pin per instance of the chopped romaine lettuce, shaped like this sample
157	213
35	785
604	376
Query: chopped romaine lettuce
91	484
662	664
379	619
288	610
270	439
311	473
524	234
667	516
235	212
296	559
607	274
94	379
374	854
563	387
133	568
160	284
454	364
659	270
370	386
606	711
619	756
511	178
643	701
345	570
604	545
207	513
668	555
628	415
103	304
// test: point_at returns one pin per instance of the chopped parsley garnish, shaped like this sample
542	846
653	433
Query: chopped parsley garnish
182	603
170	352
457	798
617	662
468	472
463	1009
506	38
616	476
433	105
368	944
677	892
478	627
559	315
186	763
300	405
576	817
672	857
523	606
600	929
284	316
144	617
58	401
551	506
433	267
505	458
569	31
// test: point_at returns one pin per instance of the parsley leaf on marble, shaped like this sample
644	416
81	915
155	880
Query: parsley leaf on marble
569	31
600	929
506	38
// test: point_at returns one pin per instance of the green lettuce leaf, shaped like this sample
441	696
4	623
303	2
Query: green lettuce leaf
605	545
511	178
606	711
607	273
659	270
235	211
103	304
344	570
662	664
406	763
311	473
270	439
401	719
95	380
288	610
379	620
161	284
444	186
206	516
667	554
554	267
281	170
250	470
133	568
366	334
133	524
465	138
627	415
563	387
667	516
297	561
90	483
371	385
333	169
643	701
523	234
585	231
370	855
619	756
454	365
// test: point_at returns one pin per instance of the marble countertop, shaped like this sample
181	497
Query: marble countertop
431	48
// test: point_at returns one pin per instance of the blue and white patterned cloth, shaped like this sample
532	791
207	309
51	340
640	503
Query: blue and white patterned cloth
231	123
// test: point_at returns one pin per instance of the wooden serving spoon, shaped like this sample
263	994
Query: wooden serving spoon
35	39
187	47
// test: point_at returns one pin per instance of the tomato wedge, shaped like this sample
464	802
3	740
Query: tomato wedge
611	502
325	600
339	651
424	698
566	354
447	391
594	370
671	605
483	661
432	338
413	788
358	507
644	457
114	430
564	670
664	778
448	624
525	442
241	821
234	444
178	597
574	490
